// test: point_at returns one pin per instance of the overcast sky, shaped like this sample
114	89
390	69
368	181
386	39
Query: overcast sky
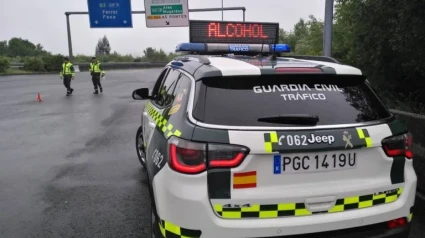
44	22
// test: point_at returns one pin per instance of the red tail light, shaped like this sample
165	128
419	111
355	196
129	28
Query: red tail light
396	223
400	145
298	70
187	157
192	158
228	156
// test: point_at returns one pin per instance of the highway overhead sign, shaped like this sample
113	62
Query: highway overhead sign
110	13
167	13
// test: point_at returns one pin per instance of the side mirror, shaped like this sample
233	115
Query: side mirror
141	94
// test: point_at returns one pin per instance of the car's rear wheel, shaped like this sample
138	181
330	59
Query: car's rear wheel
156	233
140	147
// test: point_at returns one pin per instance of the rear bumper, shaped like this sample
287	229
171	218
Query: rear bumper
372	231
184	201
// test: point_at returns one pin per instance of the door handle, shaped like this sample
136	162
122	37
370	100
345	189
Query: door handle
151	124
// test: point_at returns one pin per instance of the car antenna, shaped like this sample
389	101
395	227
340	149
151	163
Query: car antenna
261	54
273	56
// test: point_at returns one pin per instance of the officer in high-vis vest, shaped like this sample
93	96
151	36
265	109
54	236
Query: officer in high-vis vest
67	73
96	72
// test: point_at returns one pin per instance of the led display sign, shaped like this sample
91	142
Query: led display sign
233	32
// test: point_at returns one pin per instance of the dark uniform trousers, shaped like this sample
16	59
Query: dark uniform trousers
96	80
67	82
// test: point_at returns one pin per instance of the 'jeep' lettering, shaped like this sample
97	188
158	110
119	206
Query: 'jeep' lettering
321	139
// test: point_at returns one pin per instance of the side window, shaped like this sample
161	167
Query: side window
165	95
180	94
159	81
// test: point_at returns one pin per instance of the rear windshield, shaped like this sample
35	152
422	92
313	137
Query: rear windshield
251	101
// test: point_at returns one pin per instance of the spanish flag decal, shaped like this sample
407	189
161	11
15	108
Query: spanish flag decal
245	180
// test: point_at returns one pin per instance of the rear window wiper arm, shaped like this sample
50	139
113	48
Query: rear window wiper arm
295	119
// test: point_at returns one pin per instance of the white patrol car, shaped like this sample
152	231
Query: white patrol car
268	146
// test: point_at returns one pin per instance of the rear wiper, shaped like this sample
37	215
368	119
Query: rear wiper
295	119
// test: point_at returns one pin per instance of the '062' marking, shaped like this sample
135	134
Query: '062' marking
303	140
157	158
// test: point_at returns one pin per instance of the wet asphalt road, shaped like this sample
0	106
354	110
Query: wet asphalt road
69	166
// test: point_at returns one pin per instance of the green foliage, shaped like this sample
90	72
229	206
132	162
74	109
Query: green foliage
103	47
307	37
81	59
382	38
385	40
3	48
115	57
4	64
22	47
53	62
154	55
34	64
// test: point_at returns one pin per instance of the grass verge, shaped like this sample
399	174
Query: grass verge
22	72
16	71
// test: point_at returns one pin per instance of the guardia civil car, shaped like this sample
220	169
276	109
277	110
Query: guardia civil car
240	141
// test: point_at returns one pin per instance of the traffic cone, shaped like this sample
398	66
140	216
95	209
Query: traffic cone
39	98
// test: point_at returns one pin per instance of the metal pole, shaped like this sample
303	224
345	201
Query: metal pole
222	10
243	11
190	10
69	36
327	34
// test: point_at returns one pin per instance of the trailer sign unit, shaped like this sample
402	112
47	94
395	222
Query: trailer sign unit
234	32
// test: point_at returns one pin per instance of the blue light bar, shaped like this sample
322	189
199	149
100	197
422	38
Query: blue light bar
280	48
232	48
191	47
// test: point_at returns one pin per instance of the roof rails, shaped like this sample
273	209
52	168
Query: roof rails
316	58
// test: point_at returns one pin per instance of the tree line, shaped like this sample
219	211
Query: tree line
36	59
385	39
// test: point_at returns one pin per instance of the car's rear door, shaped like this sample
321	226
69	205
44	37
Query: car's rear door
148	124
315	145
157	142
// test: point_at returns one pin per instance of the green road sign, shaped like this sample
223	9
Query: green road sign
167	9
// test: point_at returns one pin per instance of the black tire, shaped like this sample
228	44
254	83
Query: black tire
156	232
140	148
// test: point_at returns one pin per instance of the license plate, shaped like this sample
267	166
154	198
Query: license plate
283	164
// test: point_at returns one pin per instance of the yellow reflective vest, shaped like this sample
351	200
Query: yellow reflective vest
96	68
67	69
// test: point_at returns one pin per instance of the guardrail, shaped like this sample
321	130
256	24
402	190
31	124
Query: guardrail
109	66
17	65
416	125
129	65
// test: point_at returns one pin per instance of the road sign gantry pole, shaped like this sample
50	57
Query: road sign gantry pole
69	35
327	33
243	9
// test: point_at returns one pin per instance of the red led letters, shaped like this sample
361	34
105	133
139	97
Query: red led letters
239	30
